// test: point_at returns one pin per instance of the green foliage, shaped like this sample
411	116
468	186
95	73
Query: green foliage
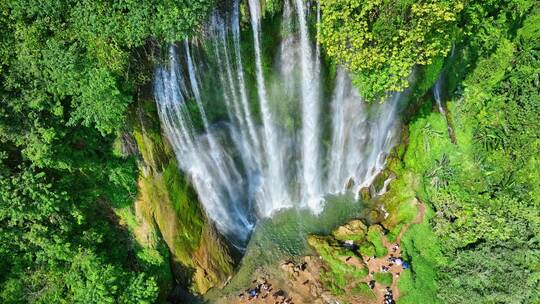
418	284
68	71
374	236
80	61
489	274
426	76
340	274
381	41
271	7
484	189
50	245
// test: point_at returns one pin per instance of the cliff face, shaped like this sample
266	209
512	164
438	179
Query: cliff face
168	207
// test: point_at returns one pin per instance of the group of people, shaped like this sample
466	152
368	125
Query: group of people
392	260
397	261
262	290
388	264
388	296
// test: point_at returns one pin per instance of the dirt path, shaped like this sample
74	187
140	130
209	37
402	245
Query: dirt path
419	218
394	251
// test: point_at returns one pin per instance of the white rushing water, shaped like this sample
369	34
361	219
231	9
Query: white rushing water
311	167
274	188
437	89
253	141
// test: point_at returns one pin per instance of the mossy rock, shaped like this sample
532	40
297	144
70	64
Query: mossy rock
365	194
378	181
326	245
199	257
401	203
354	230
367	249
374	216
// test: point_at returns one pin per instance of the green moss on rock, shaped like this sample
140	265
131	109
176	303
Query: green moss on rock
339	275
168	206
354	230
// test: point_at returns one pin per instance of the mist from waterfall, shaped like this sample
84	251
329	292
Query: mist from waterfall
269	150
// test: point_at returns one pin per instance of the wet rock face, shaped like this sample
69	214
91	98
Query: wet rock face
200	258
365	194
380	182
350	184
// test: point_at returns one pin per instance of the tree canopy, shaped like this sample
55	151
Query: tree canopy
381	40
68	72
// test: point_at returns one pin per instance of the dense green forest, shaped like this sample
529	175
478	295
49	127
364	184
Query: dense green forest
68	72
480	244
73	74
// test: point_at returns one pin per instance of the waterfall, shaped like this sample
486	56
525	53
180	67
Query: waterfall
224	165
437	94
235	25
311	168
275	176
348	113
362	136
213	173
236	113
265	151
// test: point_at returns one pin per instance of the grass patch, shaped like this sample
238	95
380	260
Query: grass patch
367	249
422	250
384	278
363	290
374	236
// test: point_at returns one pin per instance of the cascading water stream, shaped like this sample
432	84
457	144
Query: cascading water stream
275	176
311	167
235	25
437	95
245	168
230	97
216	180
348	117
225	168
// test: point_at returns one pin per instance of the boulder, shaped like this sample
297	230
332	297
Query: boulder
350	184
354	230
378	182
365	194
